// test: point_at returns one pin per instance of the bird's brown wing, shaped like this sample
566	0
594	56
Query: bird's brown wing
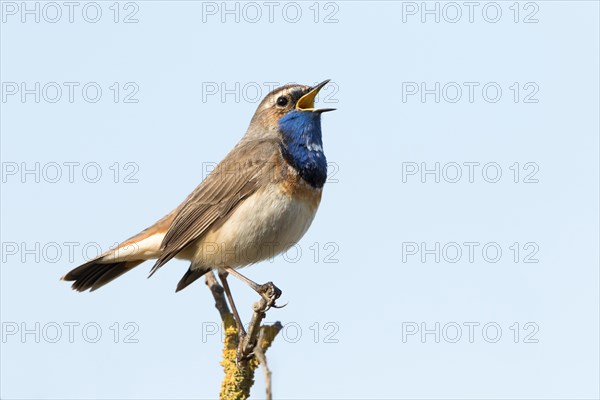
237	177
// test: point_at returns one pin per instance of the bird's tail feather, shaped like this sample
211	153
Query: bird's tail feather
95	273
190	276
115	262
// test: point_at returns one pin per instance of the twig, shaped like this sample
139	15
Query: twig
218	293
260	308
259	352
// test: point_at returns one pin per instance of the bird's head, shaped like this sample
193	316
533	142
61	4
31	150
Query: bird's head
286	104
288	113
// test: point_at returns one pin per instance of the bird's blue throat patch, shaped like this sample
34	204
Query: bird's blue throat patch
302	145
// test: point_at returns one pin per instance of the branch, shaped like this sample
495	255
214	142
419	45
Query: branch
219	295
239	375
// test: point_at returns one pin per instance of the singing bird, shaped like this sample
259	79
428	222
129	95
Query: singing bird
257	202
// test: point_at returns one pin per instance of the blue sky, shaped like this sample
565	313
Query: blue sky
455	251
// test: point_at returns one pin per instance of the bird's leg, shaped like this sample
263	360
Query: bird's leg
236	316
268	291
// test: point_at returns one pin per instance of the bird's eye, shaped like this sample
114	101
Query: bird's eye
282	101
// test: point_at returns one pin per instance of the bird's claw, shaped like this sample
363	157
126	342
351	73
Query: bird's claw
276	306
241	350
270	293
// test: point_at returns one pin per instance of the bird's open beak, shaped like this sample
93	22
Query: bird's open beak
307	102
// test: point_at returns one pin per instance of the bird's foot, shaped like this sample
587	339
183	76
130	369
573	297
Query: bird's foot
270	293
241	351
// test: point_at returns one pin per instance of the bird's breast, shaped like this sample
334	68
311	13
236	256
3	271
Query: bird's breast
265	224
